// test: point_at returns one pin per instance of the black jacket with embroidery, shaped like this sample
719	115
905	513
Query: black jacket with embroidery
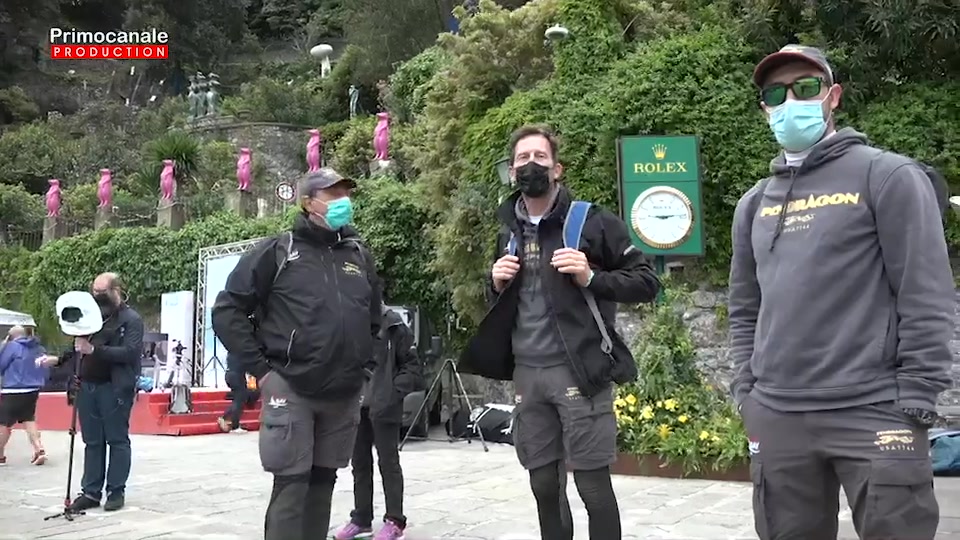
316	324
621	274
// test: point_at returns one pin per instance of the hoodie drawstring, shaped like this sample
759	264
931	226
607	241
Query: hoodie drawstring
783	209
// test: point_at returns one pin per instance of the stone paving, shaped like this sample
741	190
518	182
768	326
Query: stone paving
212	487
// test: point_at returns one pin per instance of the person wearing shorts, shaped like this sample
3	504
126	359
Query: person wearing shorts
301	311
542	333
23	370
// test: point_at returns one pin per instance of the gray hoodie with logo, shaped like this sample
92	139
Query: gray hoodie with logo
846	298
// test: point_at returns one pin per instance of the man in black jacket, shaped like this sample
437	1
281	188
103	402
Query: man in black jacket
301	311
541	333
109	369
398	373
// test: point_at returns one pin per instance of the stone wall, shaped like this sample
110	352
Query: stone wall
706	318
278	148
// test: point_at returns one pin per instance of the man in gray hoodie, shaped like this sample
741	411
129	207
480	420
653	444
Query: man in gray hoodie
841	296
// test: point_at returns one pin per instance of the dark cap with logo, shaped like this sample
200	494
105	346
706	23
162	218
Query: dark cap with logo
793	53
324	178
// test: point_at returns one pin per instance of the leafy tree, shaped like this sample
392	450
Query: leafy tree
871	41
391	32
18	208
201	33
394	222
34	153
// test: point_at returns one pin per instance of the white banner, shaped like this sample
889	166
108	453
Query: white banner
176	321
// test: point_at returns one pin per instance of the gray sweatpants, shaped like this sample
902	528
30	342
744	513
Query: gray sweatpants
799	462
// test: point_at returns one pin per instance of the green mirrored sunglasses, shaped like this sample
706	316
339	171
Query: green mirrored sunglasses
803	88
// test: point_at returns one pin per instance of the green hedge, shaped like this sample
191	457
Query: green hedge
154	260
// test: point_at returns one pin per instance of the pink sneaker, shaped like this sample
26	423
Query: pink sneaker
351	530
390	531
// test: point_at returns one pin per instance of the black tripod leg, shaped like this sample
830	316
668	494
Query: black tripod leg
67	513
466	399
426	399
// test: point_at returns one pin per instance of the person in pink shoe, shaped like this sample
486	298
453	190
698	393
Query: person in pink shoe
397	374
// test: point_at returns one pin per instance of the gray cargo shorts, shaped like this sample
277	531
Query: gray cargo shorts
297	433
553	421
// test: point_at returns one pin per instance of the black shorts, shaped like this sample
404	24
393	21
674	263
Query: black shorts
20	407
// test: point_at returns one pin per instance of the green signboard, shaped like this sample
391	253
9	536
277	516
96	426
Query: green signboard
660	193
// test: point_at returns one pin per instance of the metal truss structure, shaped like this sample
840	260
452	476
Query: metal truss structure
206	255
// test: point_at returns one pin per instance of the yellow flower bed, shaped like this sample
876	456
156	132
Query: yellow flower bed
697	427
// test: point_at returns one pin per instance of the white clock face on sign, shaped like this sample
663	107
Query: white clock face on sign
662	216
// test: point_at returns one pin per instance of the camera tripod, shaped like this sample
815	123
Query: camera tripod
458	387
67	513
181	400
213	361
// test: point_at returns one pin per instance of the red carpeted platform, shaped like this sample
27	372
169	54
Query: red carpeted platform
150	416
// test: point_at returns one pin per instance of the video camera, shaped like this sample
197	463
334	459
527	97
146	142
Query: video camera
79	316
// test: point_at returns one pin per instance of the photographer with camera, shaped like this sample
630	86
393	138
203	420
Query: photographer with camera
398	373
23	373
105	390
301	311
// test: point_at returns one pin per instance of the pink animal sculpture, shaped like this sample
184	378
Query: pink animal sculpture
244	170
381	137
53	198
168	183
313	150
105	189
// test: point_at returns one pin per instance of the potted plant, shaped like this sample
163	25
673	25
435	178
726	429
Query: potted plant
671	421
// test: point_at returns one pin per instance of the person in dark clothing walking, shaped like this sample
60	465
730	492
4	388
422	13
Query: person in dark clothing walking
542	333
301	312
109	368
240	395
398	373
838	360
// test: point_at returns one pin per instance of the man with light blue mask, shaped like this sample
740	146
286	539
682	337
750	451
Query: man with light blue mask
300	311
841	299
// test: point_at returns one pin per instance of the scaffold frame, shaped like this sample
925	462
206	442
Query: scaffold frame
204	257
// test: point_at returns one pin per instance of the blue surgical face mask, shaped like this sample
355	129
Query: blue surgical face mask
339	212
798	125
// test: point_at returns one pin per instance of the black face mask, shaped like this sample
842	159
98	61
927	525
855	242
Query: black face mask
105	302
533	179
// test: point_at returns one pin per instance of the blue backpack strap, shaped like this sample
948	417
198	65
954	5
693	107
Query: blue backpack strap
573	225
572	231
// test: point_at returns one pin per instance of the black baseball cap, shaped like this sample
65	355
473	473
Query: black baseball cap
323	178
793	53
